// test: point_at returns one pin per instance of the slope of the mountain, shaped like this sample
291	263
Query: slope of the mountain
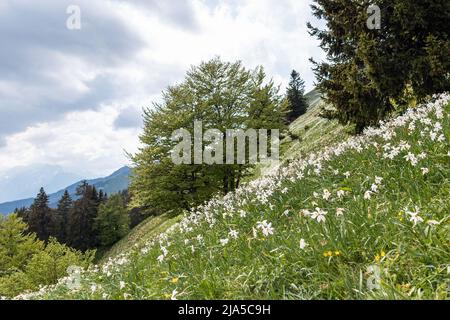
309	133
147	229
366	218
313	132
111	184
154	225
23	182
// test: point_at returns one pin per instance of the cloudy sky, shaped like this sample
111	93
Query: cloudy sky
73	98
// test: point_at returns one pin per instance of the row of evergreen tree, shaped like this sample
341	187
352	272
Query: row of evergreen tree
91	220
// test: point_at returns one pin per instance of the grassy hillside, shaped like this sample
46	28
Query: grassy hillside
313	132
148	229
308	133
366	218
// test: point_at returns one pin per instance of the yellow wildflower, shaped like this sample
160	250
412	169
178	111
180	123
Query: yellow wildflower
328	254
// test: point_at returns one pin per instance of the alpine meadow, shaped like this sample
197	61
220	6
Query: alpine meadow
268	150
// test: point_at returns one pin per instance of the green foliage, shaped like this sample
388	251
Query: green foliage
27	263
47	266
224	96
112	222
16	246
296	97
369	73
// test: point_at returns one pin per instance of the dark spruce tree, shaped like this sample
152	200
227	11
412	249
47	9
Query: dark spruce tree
61	217
102	196
81	229
371	72
295	95
40	216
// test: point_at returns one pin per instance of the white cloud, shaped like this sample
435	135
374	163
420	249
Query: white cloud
85	142
75	100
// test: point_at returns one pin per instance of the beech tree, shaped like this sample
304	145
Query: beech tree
223	95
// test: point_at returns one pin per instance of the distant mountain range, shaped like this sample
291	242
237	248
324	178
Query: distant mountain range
111	184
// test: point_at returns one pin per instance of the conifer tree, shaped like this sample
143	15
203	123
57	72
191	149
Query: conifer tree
61	217
40	216
371	72
81	229
296	97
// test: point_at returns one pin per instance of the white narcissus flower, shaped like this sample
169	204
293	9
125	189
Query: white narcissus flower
368	195
233	234
414	216
326	195
340	194
265	227
340	212
422	156
122	285
378	180
319	215
305	213
303	244
433	136
411	158
224	242
425	171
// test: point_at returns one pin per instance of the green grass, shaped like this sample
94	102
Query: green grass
146	230
400	231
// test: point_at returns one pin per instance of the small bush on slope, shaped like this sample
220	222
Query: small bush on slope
309	230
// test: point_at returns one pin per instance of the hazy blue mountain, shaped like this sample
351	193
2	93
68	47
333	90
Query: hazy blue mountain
22	182
114	183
